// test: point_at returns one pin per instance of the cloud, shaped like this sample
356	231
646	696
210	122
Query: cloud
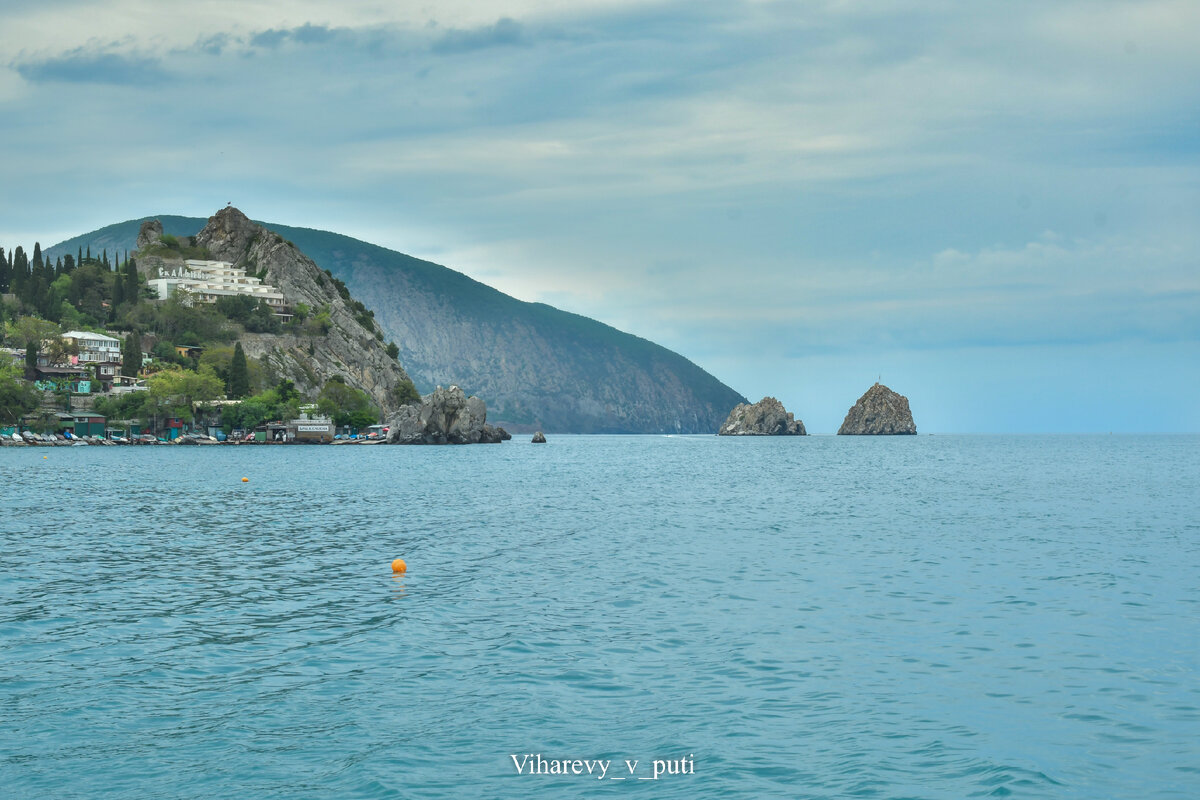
305	34
81	66
312	34
215	44
723	177
505	32
269	38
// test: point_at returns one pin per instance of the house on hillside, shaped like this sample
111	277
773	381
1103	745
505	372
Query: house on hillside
103	353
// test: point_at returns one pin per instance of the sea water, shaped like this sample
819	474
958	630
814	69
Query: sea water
819	617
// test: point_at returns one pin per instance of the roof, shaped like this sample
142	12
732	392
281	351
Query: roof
88	335
63	370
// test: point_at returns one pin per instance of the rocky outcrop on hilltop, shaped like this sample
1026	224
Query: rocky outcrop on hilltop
879	412
446	416
149	234
767	417
351	345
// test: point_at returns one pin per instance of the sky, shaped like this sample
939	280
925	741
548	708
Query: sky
994	207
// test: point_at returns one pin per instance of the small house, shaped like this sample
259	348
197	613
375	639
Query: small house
313	429
90	425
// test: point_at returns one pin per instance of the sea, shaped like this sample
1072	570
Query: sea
701	617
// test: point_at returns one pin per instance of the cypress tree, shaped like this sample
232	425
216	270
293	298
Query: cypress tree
118	293
239	375
31	354
19	273
37	255
89	253
131	354
132	293
5	272
79	258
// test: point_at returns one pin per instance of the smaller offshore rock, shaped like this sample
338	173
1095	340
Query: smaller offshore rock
445	416
539	438
767	417
879	412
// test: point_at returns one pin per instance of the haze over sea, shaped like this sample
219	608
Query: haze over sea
826	617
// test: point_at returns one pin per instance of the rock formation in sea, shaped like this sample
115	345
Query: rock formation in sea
446	416
767	417
879	412
349	343
539	438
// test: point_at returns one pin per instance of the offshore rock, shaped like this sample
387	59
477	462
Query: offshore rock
539	438
446	416
879	412
767	417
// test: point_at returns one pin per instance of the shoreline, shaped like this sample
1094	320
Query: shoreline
89	441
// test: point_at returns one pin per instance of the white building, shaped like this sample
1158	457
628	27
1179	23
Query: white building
205	281
95	348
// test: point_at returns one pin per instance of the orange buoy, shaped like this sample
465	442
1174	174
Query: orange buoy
399	566
245	480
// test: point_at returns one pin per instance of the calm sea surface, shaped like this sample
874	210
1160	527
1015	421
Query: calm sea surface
827	617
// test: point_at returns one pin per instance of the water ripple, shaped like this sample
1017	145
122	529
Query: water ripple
925	617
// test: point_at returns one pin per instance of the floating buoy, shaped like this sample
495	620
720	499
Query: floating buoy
245	480
399	566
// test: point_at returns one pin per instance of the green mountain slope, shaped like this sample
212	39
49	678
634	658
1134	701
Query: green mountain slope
535	365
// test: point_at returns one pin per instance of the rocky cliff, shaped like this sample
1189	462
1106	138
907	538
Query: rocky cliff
767	417
445	416
540	368
352	346
879	412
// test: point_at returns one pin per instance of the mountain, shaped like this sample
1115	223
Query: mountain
351	346
536	366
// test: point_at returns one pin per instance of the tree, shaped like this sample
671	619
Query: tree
239	374
181	390
32	331
393	350
17	398
118	295
131	355
59	351
286	391
405	393
132	292
346	405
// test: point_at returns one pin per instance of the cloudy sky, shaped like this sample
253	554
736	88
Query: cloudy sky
993	205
